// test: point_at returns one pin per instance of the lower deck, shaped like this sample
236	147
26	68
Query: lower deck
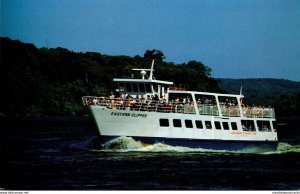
112	122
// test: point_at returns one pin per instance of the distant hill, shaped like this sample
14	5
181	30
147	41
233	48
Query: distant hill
260	91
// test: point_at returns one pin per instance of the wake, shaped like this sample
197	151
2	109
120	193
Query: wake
128	144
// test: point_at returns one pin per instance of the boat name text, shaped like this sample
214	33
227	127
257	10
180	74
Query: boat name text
128	114
244	133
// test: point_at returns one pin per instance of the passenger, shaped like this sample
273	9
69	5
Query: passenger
95	101
112	96
127	100
199	101
206	101
119	102
245	110
125	96
143	100
148	100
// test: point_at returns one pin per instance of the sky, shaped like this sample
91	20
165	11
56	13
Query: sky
235	38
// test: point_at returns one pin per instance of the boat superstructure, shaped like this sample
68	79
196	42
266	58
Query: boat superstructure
153	111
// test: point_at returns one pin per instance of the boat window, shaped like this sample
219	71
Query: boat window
218	125
142	87
177	123
207	104
264	126
274	125
183	102
229	106
180	98
121	87
208	124
128	87
225	125
148	88
188	124
199	124
234	126
135	87
248	125
164	122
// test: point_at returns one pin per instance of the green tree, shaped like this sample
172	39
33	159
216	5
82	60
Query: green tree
157	55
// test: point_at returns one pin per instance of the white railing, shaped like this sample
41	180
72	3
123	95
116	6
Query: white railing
207	109
258	112
140	105
176	107
230	111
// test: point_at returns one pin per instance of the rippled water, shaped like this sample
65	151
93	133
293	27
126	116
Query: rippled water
57	153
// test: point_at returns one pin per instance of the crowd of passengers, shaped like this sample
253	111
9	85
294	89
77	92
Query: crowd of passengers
114	101
256	111
153	102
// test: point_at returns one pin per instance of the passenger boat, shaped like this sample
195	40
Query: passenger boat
153	111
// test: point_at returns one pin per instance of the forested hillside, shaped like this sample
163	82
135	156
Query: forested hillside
51	81
283	94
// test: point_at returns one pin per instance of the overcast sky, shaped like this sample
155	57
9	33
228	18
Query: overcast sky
235	38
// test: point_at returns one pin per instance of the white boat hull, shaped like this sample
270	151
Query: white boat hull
145	126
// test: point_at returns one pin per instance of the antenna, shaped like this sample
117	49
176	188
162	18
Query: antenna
241	90
143	71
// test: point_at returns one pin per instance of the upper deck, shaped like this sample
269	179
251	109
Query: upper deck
158	96
184	105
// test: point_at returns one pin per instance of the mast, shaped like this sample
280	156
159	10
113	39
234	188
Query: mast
151	70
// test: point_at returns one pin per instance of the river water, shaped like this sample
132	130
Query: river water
63	153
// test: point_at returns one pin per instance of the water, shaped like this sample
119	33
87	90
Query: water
63	153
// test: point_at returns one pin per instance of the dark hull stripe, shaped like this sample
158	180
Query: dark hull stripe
207	144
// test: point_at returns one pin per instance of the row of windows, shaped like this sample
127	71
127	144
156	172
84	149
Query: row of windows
135	87
247	125
198	124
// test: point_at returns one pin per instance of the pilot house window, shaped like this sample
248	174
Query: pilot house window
148	88
135	87
142	87
128	87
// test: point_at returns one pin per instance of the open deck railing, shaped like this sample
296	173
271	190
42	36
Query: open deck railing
142	105
207	109
258	112
230	111
175	107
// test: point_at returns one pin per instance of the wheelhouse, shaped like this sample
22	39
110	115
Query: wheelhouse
142	87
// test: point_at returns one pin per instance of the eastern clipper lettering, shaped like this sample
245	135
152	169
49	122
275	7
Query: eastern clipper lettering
120	114
138	115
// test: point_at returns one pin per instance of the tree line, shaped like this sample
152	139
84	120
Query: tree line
51	81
